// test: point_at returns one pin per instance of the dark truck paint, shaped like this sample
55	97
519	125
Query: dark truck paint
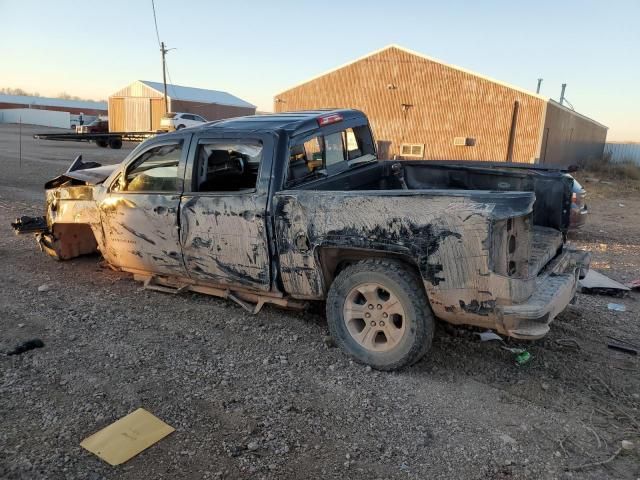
294	207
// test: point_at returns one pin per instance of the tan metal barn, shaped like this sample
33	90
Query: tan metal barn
422	108
139	106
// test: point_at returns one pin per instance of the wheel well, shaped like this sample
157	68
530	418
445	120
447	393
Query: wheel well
70	240
334	260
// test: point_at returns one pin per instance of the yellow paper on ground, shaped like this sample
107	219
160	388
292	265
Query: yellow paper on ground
127	437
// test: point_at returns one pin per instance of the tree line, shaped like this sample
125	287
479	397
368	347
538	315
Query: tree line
62	95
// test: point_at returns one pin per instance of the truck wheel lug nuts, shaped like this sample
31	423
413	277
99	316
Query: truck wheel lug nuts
379	307
381	323
373	324
371	306
367	315
385	314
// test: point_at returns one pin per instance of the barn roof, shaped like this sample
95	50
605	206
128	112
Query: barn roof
201	95
52	102
424	57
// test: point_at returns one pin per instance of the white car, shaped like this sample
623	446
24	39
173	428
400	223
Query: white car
178	120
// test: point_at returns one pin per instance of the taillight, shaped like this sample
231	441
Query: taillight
574	198
329	119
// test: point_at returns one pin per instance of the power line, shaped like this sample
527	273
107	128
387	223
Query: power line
162	49
155	21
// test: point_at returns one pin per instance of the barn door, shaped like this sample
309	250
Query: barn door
157	110
138	114
116	114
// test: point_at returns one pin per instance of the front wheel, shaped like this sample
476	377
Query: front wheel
377	311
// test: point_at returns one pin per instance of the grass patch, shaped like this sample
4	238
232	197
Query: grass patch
604	167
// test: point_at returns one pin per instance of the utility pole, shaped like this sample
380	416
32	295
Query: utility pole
564	86
539	85
164	51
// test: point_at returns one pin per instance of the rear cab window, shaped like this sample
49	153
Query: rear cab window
328	153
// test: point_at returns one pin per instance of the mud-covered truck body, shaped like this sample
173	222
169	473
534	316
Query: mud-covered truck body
296	207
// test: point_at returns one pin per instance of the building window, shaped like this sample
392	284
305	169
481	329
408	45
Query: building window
412	150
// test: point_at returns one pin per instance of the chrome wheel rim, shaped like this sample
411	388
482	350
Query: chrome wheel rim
374	317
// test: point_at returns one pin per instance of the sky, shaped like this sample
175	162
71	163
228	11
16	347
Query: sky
255	49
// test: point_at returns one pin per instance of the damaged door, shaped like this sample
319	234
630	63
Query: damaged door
140	211
223	227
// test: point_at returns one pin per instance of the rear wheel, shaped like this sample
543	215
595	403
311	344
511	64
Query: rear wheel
179	127
115	143
377	311
102	143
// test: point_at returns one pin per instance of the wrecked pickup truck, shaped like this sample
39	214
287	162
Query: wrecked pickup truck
295	207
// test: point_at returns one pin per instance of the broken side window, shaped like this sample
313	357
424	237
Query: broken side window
156	170
228	166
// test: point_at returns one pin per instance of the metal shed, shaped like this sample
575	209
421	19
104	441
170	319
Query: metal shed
139	106
422	108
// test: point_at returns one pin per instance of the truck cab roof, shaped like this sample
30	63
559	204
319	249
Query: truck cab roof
293	123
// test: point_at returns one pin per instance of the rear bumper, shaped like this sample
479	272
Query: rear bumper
555	289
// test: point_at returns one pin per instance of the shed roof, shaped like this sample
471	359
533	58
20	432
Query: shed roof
201	95
52	102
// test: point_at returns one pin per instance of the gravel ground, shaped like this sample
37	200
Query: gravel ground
267	396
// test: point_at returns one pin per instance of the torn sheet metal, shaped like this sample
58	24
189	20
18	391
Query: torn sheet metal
127	437
598	283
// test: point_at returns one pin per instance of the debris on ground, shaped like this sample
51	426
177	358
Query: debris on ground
523	358
627	445
489	335
26	224
616	307
522	355
26	346
127	437
329	342
623	346
634	284
597	283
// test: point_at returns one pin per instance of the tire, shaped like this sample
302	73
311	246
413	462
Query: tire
400	338
179	127
102	143
115	143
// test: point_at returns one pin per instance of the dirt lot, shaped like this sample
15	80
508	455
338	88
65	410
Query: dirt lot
265	396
